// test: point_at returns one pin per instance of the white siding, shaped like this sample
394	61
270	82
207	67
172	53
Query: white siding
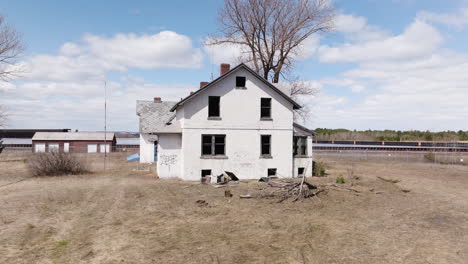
146	148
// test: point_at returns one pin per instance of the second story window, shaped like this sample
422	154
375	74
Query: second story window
265	108
213	106
240	81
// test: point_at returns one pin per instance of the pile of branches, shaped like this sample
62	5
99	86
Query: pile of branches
286	190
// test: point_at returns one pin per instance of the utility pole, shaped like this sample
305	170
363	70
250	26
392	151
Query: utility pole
105	125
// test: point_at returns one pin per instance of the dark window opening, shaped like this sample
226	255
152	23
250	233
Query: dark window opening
271	172
240	81
300	171
213	144
300	146
213	106
265	108
205	173
265	145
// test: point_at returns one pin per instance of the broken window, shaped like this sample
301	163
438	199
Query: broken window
300	171
213	106
272	172
213	144
205	173
240	81
265	145
300	146
265	108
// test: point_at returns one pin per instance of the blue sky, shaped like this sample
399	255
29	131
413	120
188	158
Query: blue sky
390	64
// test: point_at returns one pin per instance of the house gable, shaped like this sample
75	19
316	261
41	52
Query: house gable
223	76
239	106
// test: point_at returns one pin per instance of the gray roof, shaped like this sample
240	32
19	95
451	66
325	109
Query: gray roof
302	130
128	141
85	136
242	65
155	117
16	141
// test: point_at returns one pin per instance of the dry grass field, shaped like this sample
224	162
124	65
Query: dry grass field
123	216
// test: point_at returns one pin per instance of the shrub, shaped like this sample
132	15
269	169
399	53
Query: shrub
56	163
429	157
340	180
319	169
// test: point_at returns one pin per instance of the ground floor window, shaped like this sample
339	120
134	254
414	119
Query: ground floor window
92	148
39	147
104	148
300	146
213	145
53	147
300	171
265	145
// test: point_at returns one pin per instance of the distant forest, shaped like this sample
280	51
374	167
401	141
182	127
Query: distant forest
389	135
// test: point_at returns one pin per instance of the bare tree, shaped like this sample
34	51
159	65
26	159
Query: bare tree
299	90
270	32
11	48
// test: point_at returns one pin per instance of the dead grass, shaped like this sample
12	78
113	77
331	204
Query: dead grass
130	217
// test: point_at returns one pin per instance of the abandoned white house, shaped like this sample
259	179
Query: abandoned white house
239	122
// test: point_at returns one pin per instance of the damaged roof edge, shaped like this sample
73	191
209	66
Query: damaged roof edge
304	128
289	99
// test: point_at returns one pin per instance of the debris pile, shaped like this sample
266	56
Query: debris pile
286	190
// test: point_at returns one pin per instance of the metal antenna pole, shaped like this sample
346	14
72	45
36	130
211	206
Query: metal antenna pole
105	124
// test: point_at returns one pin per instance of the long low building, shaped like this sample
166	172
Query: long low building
78	142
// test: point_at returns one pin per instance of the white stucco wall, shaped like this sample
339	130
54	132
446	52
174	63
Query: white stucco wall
242	154
240	122
147	148
169	156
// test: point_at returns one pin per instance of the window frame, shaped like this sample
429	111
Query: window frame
262	155
215	117
269	107
297	146
213	144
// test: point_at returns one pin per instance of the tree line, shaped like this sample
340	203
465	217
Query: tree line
389	135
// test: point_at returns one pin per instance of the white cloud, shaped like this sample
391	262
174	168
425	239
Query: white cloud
410	80
355	28
456	20
417	40
66	89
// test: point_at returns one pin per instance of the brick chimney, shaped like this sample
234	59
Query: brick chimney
203	84
224	68
157	99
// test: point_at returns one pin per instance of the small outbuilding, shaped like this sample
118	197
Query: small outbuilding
75	142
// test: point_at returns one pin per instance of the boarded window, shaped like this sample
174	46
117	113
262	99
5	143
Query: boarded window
213	106
265	108
53	147
213	144
265	145
300	146
240	81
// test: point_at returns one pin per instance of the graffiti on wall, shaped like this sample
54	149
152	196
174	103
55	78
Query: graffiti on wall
168	160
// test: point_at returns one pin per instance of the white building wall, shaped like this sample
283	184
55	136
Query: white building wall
169	155
146	148
242	154
240	122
